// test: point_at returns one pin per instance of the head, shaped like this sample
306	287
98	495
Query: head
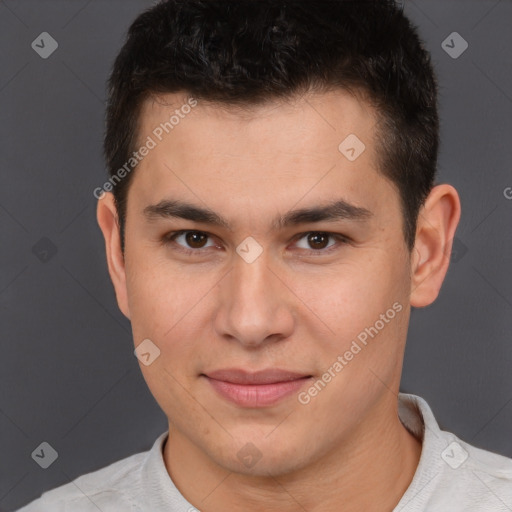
280	212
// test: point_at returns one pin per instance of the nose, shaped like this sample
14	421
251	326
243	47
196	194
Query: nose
255	305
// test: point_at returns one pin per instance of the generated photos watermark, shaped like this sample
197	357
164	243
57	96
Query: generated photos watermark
357	345
158	133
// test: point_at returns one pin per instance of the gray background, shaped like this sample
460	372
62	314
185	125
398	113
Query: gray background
67	371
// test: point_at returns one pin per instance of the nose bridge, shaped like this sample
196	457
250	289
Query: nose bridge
253	304
251	286
251	279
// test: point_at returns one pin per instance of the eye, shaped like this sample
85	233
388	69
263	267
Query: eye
195	242
319	241
189	241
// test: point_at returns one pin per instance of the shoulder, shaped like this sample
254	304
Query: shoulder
106	489
470	480
487	475
453	474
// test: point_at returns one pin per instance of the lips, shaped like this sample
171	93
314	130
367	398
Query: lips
255	389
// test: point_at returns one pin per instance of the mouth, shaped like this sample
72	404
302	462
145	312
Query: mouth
263	388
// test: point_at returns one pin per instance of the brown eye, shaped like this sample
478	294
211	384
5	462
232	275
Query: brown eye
321	242
318	240
195	239
192	241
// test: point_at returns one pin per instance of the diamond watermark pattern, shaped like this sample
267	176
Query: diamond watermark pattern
44	44
45	455
44	249
454	455
454	45
146	352
249	455
352	147
249	250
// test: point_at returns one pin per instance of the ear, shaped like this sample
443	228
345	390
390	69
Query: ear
437	222
106	214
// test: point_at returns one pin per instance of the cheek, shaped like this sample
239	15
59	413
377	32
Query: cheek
173	307
350	296
159	298
362	307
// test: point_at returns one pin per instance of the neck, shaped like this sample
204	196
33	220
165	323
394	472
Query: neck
370	471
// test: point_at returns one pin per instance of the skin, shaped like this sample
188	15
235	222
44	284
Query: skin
297	307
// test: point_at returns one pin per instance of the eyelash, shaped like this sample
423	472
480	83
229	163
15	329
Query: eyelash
169	239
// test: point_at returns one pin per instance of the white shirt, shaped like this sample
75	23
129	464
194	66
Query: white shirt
452	476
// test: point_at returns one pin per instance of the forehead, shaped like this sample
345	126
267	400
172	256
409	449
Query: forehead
317	145
327	115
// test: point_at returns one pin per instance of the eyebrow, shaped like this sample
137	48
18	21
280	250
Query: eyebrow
331	212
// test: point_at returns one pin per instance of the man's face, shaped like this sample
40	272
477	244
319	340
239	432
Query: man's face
317	285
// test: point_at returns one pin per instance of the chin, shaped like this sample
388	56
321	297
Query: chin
261	457
275	466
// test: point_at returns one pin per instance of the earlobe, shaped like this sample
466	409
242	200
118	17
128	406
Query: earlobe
437	222
106	215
